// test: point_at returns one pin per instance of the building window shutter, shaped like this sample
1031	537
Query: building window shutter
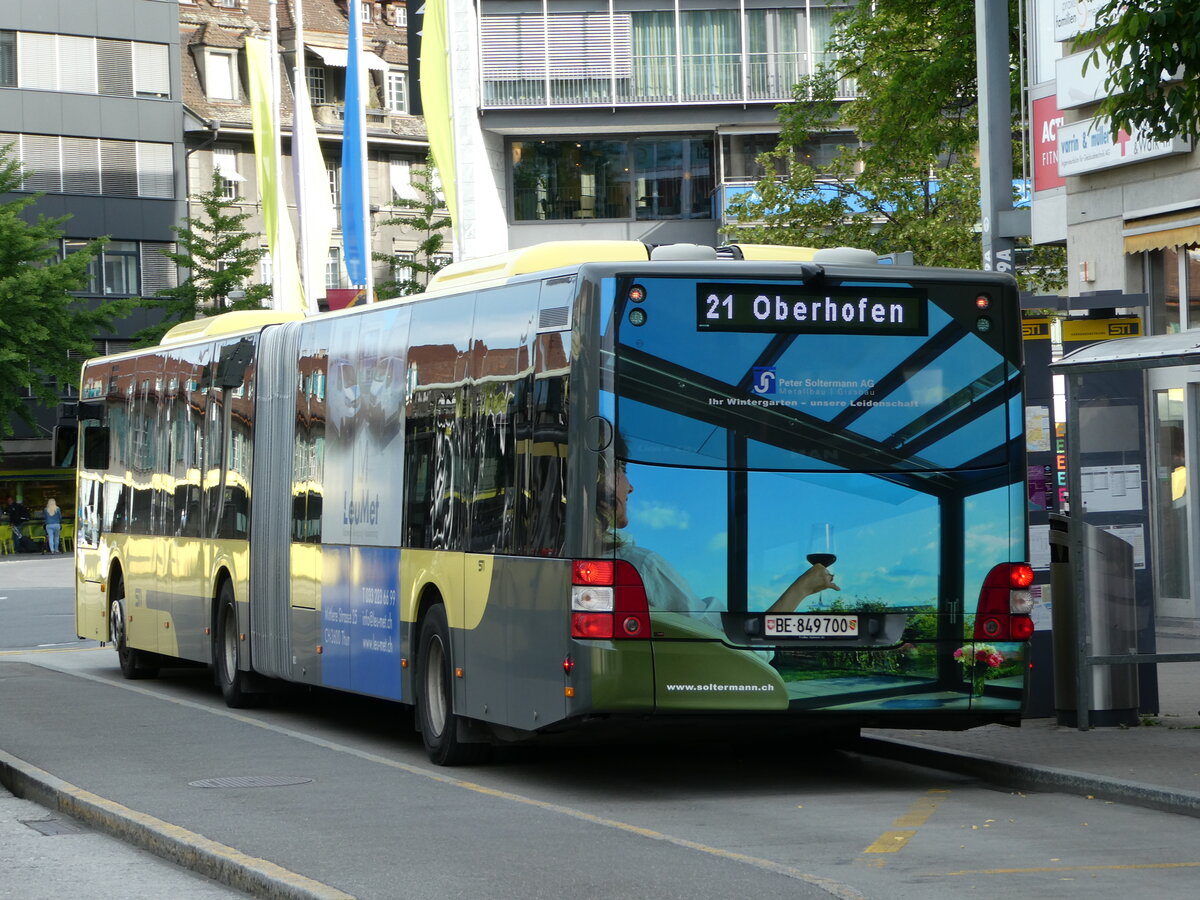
37	61
41	156
575	46
81	165
151	70
76	64
158	272
118	168
155	172
114	65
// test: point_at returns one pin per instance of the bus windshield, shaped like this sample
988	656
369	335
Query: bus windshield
764	444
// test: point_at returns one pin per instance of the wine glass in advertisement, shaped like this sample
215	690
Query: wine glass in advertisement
822	548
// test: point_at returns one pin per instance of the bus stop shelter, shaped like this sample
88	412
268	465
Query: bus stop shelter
1102	433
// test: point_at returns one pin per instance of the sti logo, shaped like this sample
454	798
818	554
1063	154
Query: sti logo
764	380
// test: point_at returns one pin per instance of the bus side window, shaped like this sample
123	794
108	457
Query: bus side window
95	447
548	465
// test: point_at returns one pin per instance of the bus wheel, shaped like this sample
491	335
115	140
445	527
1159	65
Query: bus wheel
435	695
134	663
227	651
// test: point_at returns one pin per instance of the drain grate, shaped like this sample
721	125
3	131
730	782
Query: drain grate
243	781
52	827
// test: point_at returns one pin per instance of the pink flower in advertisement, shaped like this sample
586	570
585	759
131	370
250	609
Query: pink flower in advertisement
958	654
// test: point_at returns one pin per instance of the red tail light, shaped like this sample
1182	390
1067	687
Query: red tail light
1005	604
608	600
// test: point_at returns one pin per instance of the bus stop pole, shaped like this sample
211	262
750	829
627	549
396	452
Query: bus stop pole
1082	638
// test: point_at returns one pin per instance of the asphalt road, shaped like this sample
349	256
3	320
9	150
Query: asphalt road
354	805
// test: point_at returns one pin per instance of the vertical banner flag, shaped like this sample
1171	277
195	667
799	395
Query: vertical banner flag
435	100
354	201
314	204
286	290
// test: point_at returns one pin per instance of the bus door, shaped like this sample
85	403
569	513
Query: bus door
181	525
91	605
147	593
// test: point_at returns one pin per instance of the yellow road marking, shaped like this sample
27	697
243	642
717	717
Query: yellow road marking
907	824
891	841
1041	870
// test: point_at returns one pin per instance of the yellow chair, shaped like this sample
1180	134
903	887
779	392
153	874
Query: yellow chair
68	536
6	539
36	532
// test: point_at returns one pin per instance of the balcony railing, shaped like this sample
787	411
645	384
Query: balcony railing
720	78
334	114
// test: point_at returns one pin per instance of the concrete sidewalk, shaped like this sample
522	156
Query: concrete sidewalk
1155	764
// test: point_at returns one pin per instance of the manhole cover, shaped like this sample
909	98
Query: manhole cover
243	781
51	827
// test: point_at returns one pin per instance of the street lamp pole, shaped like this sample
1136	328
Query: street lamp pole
995	135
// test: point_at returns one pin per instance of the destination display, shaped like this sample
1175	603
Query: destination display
797	308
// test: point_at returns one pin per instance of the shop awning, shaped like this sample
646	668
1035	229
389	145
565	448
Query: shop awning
338	56
1177	229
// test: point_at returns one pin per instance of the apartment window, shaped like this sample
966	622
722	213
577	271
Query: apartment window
400	173
74	245
151	70
1173	277
674	178
400	16
228	4
114	67
647	178
333	269
571	180
225	165
266	268
113	271
155	170
365	12
120	268
335	183
220	75
315	76
396	91
8	59
402	266
77	165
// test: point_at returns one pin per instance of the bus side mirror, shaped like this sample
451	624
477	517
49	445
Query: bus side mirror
62	448
95	447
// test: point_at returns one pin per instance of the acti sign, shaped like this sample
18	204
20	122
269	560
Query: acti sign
1047	119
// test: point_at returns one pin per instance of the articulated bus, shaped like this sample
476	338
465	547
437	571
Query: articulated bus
581	483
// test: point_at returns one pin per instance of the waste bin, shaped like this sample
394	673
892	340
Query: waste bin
1111	621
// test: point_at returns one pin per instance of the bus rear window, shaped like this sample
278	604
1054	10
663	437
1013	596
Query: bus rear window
770	376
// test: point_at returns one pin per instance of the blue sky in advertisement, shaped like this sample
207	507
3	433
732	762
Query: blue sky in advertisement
885	537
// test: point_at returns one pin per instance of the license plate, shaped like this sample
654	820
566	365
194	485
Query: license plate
810	626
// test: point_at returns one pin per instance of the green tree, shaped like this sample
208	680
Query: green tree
429	220
42	323
1150	38
911	182
213	248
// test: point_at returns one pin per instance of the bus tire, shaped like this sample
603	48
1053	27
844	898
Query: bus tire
134	663
435	695
227	652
